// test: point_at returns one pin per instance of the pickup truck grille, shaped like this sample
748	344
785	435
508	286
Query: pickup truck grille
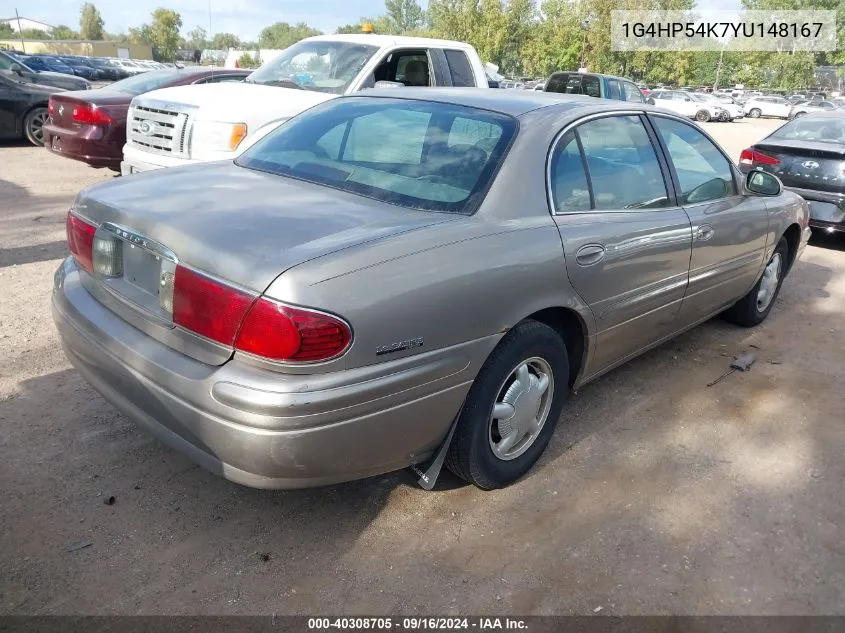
158	130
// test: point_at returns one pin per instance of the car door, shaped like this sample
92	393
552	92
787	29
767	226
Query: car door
626	243
10	106
729	229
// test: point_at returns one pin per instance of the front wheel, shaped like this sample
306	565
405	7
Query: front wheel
754	307
33	125
512	408
724	117
702	116
755	113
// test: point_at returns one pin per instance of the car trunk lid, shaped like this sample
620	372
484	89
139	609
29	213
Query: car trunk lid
237	225
806	164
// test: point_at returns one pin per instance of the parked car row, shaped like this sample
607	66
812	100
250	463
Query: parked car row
89	68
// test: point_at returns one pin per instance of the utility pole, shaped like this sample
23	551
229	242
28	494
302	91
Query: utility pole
20	31
719	69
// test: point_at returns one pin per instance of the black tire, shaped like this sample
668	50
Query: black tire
702	116
755	113
471	455
724	117
747	312
32	124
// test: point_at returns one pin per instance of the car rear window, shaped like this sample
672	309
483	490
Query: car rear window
808	128
417	154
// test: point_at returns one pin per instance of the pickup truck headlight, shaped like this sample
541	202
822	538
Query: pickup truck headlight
214	136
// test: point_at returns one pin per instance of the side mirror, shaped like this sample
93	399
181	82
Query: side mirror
16	68
762	183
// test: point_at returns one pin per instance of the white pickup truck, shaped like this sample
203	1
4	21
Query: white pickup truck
217	121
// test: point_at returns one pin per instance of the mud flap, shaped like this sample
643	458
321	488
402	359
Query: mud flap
428	477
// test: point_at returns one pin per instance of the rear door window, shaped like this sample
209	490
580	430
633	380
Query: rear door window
459	68
622	165
632	93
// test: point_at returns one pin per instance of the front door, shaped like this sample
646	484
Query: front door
626	245
729	230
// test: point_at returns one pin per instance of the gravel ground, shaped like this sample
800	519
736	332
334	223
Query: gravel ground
657	495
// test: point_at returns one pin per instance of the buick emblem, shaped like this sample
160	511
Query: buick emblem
810	164
146	128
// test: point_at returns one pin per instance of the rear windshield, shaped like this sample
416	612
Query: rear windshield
416	154
145	82
808	128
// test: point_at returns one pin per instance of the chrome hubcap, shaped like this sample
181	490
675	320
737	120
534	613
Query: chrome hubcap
769	283
36	126
521	408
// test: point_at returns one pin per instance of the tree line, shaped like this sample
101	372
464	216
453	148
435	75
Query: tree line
530	38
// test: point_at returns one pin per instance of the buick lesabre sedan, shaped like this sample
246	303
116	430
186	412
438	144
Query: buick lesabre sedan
386	268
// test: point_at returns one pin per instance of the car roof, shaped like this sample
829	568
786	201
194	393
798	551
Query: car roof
513	103
383	41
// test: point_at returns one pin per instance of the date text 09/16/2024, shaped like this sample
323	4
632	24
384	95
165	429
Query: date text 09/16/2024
416	623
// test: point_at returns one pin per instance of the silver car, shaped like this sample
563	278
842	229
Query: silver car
398	273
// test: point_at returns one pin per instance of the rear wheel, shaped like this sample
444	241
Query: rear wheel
33	125
754	307
754	113
702	116
512	408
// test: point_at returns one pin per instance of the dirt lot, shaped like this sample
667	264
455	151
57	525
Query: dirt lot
657	494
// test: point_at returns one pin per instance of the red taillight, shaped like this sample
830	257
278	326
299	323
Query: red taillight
208	307
80	240
279	332
750	156
88	113
256	325
50	107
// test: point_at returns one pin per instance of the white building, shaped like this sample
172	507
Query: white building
26	23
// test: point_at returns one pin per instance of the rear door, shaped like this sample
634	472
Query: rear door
626	243
729	230
10	106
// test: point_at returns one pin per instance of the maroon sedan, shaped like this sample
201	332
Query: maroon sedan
90	125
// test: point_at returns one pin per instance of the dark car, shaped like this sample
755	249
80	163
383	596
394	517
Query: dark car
808	155
23	107
108	72
594	85
90	125
46	62
18	64
81	69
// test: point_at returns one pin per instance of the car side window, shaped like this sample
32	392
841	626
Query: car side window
413	69
703	171
570	191
591	86
459	68
613	91
632	93
622	165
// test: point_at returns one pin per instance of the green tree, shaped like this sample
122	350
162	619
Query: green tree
197	39
164	32
349	28
247	61
63	32
6	31
224	41
556	44
140	35
90	23
282	34
405	15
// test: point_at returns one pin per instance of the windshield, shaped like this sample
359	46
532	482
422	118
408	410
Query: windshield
315	65
810	128
138	84
417	154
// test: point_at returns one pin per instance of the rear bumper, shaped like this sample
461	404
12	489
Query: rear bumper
260	428
88	146
827	209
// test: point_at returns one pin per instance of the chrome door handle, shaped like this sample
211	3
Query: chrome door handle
704	233
589	254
